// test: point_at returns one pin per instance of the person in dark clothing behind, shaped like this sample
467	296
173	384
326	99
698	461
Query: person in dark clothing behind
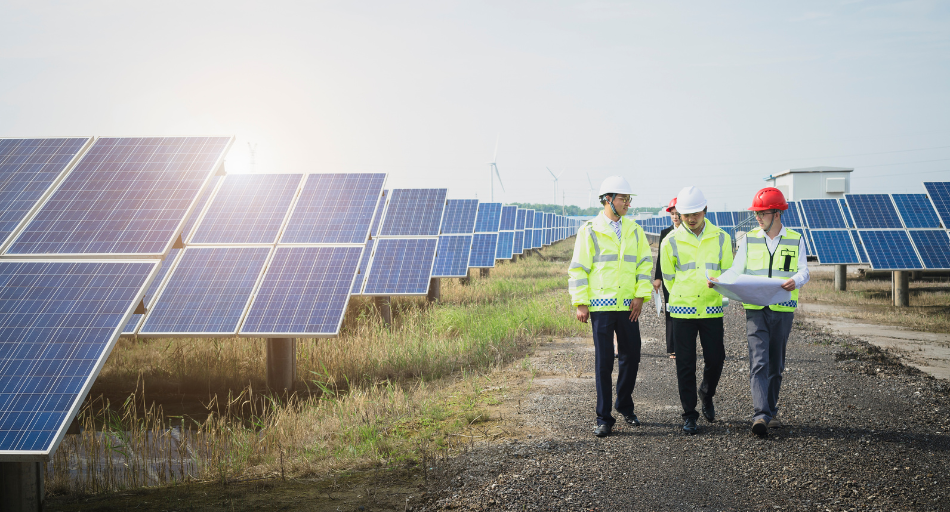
658	277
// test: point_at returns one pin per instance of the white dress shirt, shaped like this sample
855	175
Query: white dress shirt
738	263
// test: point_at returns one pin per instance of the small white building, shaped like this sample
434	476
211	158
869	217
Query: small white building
812	182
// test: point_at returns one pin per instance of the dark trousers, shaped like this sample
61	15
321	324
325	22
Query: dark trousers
710	332
768	338
604	325
670	346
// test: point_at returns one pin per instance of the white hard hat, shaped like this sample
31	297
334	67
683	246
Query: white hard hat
615	185
690	200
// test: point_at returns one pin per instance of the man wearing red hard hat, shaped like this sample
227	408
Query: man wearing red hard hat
658	275
776	252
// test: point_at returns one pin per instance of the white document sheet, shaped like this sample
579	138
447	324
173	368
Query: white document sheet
756	290
658	301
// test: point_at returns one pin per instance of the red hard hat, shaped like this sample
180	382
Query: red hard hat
769	198
672	204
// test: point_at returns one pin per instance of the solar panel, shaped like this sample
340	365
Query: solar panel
933	246
451	259
192	219
401	266
847	212
247	209
809	246
791	218
459	216
508	217
167	263
335	209
207	292
484	246
362	268
529	219
743	217
58	323
859	245
125	196
520	218
834	247
537	238
414	212
304	292
505	241
822	214
939	192
29	169
890	250
489	218
916	211
874	211
517	247
380	206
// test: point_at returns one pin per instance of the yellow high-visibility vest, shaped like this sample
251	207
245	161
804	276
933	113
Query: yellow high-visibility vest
686	262
782	265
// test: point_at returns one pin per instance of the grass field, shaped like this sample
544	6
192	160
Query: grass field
871	300
170	410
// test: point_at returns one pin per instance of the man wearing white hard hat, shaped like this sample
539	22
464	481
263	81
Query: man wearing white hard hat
691	252
609	278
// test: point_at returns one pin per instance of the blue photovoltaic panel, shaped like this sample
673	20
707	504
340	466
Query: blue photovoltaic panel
508	217
414	212
529	219
873	211
822	214
743	217
862	254
520	218
207	292
166	264
459	216
380	206
939	192
537	238
890	250
933	246
791	218
334	209
28	168
489	218
834	247
538	220
58	323
484	246
809	247
199	205
401	266
363	266
916	211
505	241
248	209
125	196
518	246
451	260
847	213
304	292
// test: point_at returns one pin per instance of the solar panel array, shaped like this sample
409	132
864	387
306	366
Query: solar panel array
66	203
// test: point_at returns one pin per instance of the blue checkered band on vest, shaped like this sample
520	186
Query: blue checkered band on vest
715	310
680	310
627	302
603	302
789	304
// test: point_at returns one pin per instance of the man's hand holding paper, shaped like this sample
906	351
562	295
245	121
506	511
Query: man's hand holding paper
756	290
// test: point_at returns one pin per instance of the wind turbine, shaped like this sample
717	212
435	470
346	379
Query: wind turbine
555	182
494	168
591	191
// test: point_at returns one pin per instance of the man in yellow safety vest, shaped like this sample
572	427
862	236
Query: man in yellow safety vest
776	252
609	278
691	252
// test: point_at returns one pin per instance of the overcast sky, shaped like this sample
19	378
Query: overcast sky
666	94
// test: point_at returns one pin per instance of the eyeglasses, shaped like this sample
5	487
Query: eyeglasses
623	199
763	213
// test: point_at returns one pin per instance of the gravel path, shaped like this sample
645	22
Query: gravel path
862	433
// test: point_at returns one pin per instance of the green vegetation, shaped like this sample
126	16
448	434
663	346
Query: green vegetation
173	410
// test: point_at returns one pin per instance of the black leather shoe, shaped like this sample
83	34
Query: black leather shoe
690	427
760	428
631	419
602	430
709	410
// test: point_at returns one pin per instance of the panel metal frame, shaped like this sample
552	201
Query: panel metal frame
372	260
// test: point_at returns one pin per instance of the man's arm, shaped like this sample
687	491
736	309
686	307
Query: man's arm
579	274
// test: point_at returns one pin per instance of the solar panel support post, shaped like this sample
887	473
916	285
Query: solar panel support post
385	310
281	364
841	278
21	486
485	272
435	290
465	281
901	288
